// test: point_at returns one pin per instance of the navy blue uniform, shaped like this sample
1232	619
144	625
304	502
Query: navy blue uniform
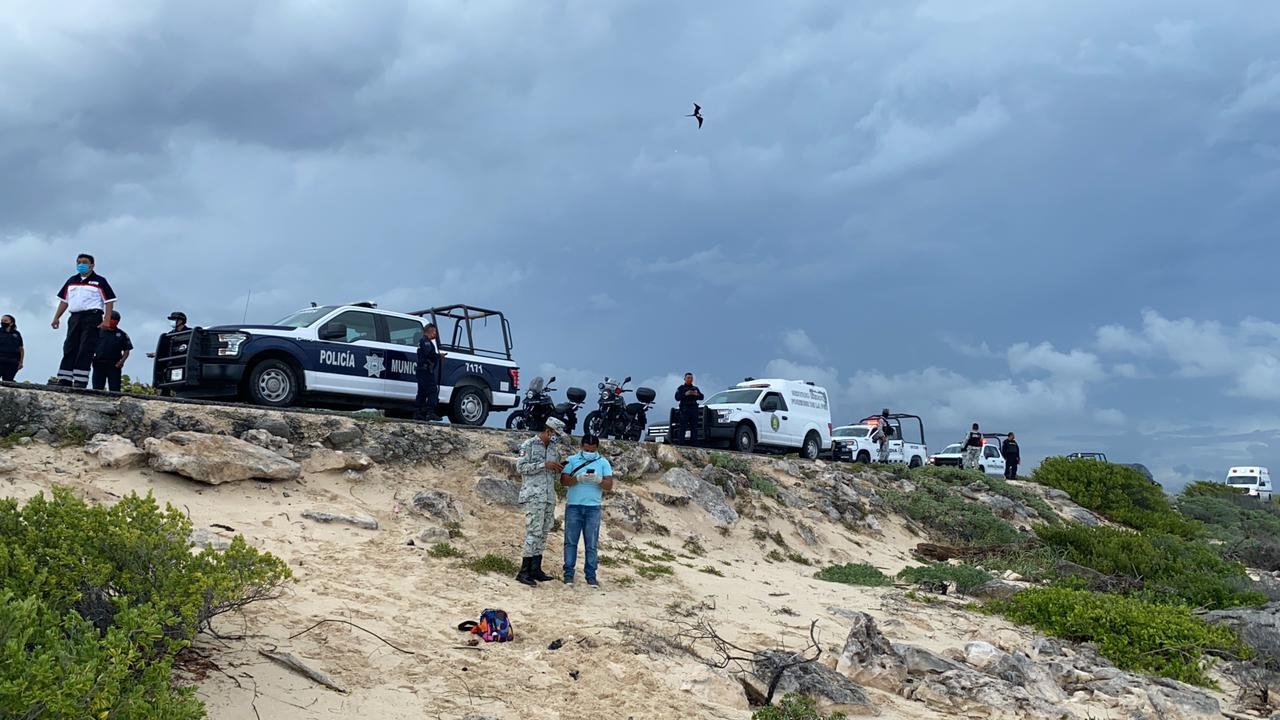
86	298
428	373
1012	456
10	352
687	395
112	345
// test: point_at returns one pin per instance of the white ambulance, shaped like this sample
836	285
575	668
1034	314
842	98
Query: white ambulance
770	414
1257	480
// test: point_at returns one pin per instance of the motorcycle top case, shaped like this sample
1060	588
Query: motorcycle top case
576	394
646	395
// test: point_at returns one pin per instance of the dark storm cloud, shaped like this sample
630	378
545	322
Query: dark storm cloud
931	205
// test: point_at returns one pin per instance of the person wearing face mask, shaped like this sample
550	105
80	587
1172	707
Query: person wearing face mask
113	349
540	467
90	299
587	476
12	353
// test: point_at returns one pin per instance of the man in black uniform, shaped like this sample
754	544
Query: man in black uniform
688	396
108	360
164	347
1012	456
429	356
90	299
12	354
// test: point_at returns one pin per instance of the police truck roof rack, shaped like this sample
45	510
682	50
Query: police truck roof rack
464	317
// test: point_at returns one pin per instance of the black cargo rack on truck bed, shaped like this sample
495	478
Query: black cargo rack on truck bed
463	334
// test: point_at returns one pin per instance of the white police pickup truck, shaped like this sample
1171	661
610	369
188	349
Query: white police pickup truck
345	357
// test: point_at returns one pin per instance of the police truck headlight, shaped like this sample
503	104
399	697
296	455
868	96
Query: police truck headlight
229	344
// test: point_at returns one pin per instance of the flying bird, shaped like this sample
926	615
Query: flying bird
697	113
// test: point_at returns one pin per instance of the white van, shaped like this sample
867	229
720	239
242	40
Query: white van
770	414
1257	480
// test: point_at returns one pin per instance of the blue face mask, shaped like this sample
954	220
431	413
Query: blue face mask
554	438
82	268
590	455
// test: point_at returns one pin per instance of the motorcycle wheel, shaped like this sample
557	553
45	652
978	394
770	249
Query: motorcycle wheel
594	424
518	420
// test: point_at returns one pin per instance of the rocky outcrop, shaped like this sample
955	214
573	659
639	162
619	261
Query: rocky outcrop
323	459
436	504
984	681
114	451
833	691
51	414
707	496
360	521
217	459
623	508
498	491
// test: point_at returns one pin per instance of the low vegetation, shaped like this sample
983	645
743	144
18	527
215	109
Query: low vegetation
794	706
940	509
444	550
96	603
498	564
855	574
1136	635
1248	528
965	577
1117	492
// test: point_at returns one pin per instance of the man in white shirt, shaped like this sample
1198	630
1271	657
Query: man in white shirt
90	299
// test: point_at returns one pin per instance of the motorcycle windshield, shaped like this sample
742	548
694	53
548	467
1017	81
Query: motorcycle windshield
536	385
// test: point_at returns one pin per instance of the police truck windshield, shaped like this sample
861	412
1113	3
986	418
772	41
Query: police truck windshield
851	432
735	397
304	318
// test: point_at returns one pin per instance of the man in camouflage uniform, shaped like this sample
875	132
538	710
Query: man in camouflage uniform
540	466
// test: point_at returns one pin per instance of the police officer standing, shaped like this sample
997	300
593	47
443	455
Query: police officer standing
973	443
90	299
12	353
540	467
1012	456
179	320
428	371
688	395
112	350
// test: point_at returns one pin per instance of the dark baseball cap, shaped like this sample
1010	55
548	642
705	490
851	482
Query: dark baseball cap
178	315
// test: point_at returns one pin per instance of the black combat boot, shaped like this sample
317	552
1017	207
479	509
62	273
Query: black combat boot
526	566
535	570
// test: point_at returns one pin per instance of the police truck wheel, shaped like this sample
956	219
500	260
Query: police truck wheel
518	421
468	406
744	439
915	462
273	383
812	446
864	457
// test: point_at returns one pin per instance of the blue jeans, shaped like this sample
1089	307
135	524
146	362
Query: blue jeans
581	520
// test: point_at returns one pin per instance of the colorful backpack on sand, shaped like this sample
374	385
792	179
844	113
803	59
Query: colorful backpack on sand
494	626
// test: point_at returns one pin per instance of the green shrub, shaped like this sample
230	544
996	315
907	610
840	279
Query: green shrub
854	574
966	577
794	706
1117	492
493	564
711	571
763	485
1202	488
1248	528
653	570
732	463
1173	570
940	509
1136	635
444	550
95	603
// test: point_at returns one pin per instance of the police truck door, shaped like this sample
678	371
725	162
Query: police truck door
350	361
773	423
402	365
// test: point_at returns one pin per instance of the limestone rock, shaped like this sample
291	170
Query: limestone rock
867	657
833	691
114	451
498	491
669	455
264	439
437	504
326	460
504	465
7	465
217	459
360	521
704	494
202	538
671	500
624	508
432	535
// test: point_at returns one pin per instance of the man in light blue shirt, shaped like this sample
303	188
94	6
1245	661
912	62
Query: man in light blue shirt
586	477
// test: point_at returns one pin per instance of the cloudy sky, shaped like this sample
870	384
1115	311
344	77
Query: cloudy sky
1055	218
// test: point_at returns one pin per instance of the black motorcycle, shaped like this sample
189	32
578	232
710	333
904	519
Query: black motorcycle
616	417
538	406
